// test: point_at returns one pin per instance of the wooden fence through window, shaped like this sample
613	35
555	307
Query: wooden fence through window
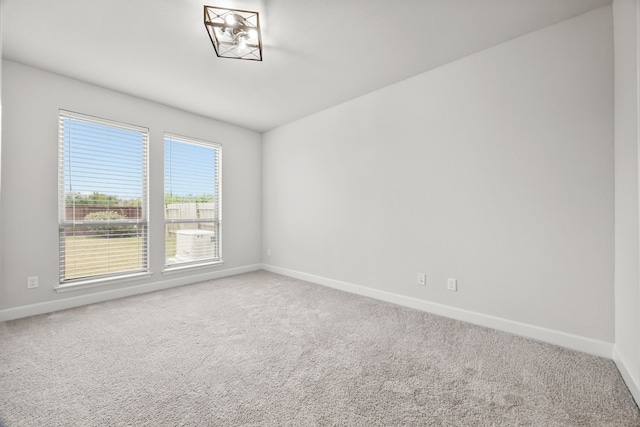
204	211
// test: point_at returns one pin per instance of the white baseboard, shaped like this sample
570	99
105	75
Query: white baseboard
632	384
563	339
574	342
77	301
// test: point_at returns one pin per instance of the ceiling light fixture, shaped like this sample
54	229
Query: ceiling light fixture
234	33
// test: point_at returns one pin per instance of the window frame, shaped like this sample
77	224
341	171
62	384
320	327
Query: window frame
216	220
65	224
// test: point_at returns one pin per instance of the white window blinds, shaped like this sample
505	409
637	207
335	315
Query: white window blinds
103	198
192	174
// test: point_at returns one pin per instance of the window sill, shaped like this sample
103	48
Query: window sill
180	268
92	283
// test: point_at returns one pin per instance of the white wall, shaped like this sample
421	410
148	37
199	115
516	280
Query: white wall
627	255
31	100
496	170
1	290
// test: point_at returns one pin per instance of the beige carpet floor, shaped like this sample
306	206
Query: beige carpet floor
262	349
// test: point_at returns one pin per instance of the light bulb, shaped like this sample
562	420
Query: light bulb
231	20
242	44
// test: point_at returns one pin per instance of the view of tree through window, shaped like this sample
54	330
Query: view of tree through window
103	197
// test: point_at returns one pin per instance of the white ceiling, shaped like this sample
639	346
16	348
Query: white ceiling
317	53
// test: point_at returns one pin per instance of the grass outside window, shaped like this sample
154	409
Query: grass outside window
85	256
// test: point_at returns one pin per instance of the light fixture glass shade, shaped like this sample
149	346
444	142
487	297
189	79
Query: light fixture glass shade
234	33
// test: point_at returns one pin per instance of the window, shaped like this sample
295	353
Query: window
102	199
192	201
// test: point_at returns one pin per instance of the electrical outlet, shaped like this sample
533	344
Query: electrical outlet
452	284
268	252
422	279
32	282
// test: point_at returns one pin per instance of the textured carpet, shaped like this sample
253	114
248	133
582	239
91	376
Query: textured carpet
263	349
